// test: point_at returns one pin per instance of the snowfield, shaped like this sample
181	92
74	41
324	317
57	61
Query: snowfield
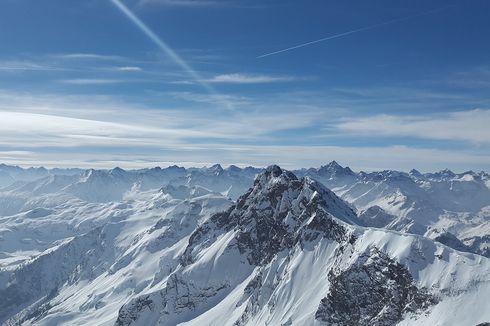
214	246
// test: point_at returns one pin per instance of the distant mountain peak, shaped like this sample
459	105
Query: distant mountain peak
234	168
117	171
175	167
447	172
217	168
415	173
441	175
334	169
334	165
88	173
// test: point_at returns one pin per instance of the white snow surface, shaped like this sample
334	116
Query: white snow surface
88	247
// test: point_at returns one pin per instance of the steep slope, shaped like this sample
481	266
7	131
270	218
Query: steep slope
87	260
289	252
428	204
425	204
99	248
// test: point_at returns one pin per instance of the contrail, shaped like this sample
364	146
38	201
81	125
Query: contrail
354	31
168	50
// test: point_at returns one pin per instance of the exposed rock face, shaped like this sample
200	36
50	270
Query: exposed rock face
279	212
39	280
129	314
177	297
271	216
375	290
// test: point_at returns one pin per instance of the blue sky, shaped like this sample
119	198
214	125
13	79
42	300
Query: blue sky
82	84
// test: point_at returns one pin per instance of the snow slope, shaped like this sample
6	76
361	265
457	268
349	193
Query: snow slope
427	204
168	247
82	265
272	258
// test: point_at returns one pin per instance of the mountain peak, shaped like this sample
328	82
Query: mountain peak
234	169
216	169
276	212
334	169
274	174
283	187
117	171
334	164
273	170
174	167
447	172
415	173
441	175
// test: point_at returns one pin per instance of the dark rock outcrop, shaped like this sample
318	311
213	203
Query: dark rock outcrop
274	215
376	290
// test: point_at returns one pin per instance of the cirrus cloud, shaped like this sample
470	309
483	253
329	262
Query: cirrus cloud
470	126
249	79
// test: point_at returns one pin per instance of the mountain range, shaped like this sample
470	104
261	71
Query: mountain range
243	246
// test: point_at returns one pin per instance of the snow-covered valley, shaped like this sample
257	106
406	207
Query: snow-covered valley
208	246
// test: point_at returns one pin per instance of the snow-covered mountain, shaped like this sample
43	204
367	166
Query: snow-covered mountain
9	173
442	205
169	247
23	193
289	252
79	262
431	204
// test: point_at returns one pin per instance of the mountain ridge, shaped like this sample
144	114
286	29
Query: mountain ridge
288	250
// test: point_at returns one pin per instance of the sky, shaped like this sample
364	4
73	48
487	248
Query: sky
382	84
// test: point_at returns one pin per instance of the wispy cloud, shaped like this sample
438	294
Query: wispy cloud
101	131
87	121
90	81
214	99
203	3
249	79
129	69
184	3
394	93
20	65
469	126
88	56
473	78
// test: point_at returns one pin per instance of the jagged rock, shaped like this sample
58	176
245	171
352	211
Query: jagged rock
270	215
375	290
